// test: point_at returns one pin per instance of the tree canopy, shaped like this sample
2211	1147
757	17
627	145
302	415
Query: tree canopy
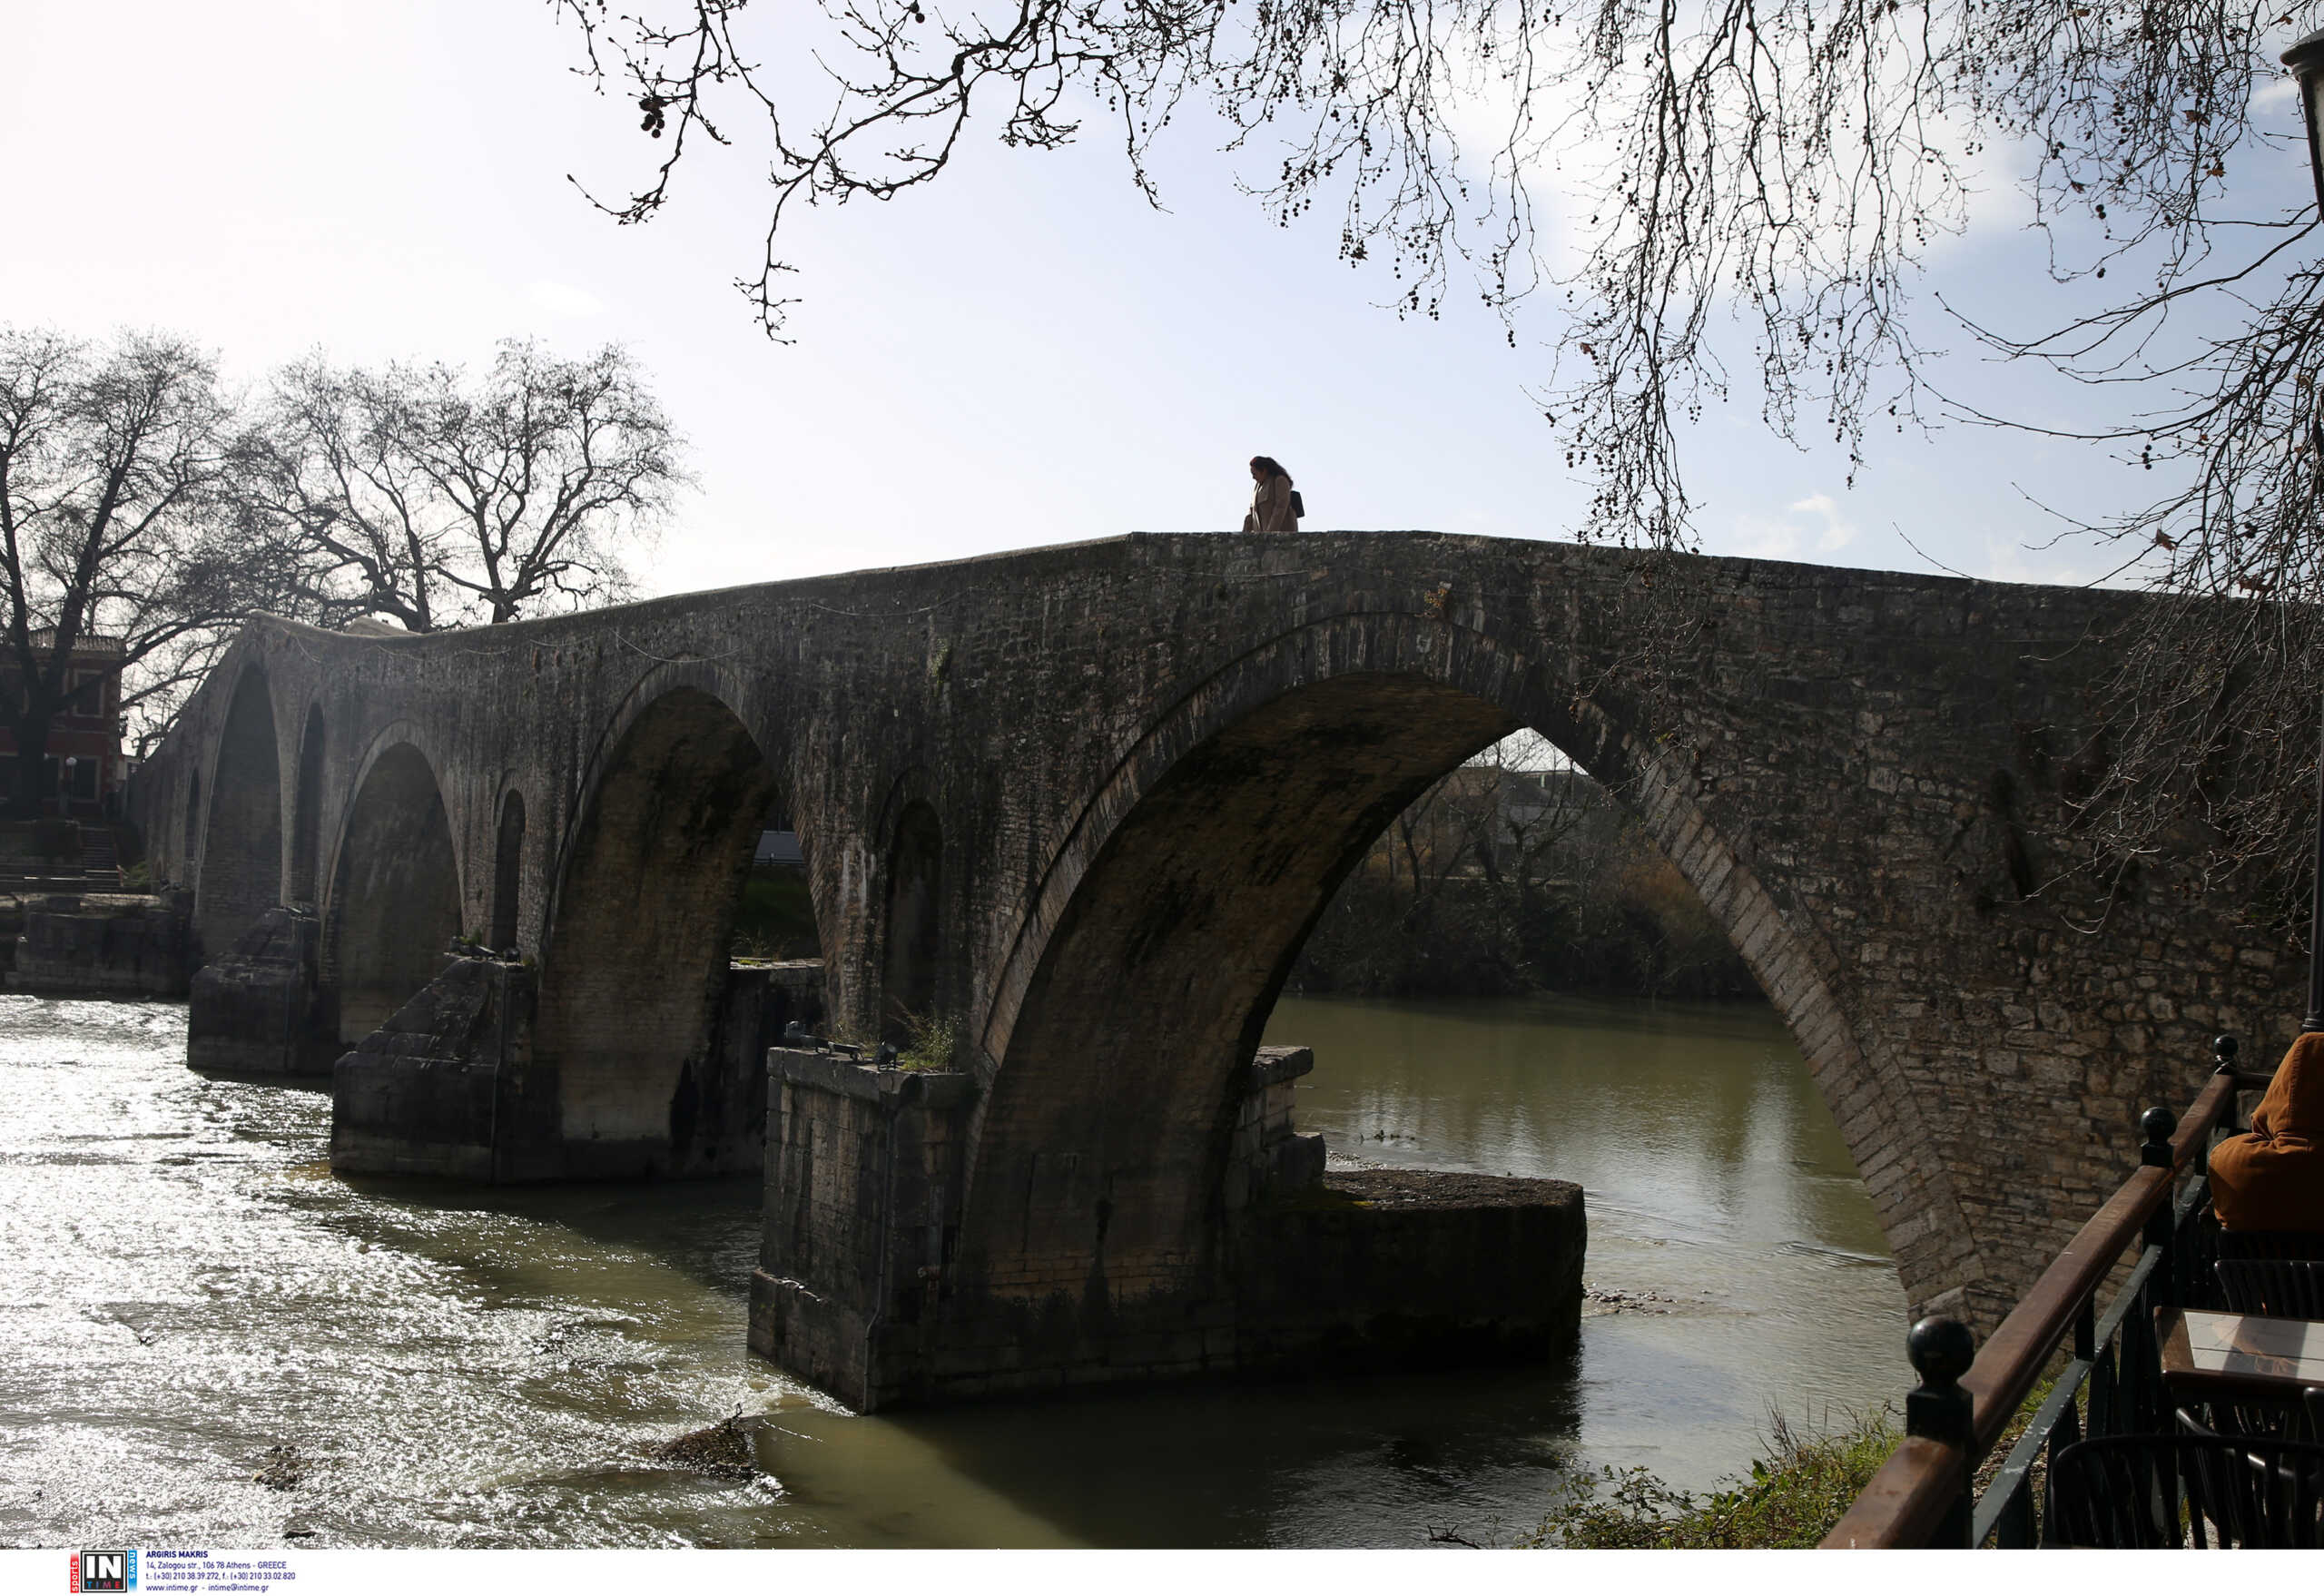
143	502
116	522
416	493
1746	193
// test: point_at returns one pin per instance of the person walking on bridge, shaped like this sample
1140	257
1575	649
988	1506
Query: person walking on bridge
1275	507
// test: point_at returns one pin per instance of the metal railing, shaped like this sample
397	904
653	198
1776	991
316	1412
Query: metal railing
2111	1385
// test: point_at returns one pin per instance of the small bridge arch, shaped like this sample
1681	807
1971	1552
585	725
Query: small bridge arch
395	898
642	923
240	857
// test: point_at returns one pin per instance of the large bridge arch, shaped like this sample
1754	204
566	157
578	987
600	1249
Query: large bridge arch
395	888
642	923
1173	913
239	863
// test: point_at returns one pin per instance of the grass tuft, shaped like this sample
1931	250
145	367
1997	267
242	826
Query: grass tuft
932	1041
1792	1498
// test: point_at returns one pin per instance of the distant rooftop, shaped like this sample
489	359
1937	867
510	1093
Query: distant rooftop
90	643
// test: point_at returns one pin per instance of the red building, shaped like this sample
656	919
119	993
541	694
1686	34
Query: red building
83	774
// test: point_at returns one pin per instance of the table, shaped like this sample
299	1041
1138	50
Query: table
2233	1356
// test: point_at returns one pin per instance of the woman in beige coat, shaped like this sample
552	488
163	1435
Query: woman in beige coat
1273	507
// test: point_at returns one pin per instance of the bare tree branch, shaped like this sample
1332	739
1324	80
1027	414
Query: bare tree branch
413	494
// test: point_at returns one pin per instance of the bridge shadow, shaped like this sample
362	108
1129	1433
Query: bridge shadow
1380	1461
706	1231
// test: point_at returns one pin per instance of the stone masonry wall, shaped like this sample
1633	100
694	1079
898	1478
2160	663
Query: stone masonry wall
1865	775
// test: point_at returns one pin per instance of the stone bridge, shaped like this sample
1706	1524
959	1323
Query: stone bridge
1089	799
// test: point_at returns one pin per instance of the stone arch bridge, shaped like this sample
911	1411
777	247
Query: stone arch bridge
1088	799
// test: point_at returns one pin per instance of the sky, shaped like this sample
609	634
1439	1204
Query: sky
1023	353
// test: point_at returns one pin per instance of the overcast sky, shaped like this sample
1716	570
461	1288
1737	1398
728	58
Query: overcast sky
1024	353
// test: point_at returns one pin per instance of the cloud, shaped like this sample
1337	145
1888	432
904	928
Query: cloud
1809	527
2060	565
1836	533
1758	538
2277	95
562	298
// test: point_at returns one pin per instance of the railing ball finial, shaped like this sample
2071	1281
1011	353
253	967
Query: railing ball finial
2224	1049
1942	1350
2156	1125
1939	1410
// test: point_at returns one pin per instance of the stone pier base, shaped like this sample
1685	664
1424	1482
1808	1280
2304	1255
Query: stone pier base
862	1182
1410	1268
443	1088
261	1010
450	1086
1366	1270
103	944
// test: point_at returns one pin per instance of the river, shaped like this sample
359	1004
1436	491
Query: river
184	1285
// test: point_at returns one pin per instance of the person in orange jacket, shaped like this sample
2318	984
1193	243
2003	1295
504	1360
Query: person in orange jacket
2271	1178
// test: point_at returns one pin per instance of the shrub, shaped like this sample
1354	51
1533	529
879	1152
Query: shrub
1793	1498
932	1041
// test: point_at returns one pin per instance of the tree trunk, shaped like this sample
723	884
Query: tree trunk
25	794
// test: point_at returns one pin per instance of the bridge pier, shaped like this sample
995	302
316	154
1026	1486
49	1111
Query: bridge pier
859	1287
446	1086
263	1008
862	1200
454	1085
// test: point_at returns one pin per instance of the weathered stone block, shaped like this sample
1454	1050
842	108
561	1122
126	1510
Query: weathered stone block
113	944
443	1088
1264	1157
1411	1268
862	1195
262	1009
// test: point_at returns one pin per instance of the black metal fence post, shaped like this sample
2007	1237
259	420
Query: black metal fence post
2224	1049
2156	1126
1941	1351
2142	1363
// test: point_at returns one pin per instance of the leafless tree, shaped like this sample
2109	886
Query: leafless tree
412	493
115	522
1749	190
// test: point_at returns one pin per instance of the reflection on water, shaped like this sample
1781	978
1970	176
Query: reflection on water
1715	1176
186	1284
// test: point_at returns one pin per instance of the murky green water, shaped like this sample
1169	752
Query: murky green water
184	1285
